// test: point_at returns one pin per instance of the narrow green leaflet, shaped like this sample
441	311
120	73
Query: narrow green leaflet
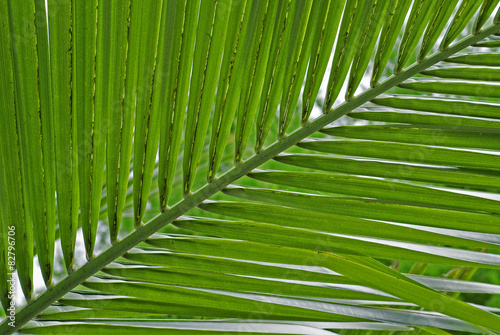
222	281
465	12
485	12
366	269
75	313
331	223
323	41
442	106
170	328
421	13
377	210
198	299
465	73
378	16
186	14
436	25
83	86
429	120
167	62
252	62
266	261
349	245
303	27
210	40
115	29
410	153
220	326
439	176
488	44
228	256
146	125
128	106
395	192
28	129
11	190
109	302
45	233
103	103
453	87
273	83
227	95
350	40
452	138
397	13
485	59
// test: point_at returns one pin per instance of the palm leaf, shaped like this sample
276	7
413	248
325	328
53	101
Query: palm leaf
292	238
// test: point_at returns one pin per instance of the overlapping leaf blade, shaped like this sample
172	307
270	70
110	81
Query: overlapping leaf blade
27	137
399	188
117	16
146	125
12	212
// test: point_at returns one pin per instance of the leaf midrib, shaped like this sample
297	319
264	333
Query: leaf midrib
193	200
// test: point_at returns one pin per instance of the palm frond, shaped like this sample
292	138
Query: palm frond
112	104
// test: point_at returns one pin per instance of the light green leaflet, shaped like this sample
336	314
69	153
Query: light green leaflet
462	88
485	12
444	176
228	97
444	106
273	82
26	141
349	42
115	27
409	153
425	119
325	241
488	44
465	12
458	72
146	124
378	17
46	236
354	267
371	209
389	35
11	188
421	13
395	192
436	26
323	40
486	59
186	14
211	35
221	281
252	62
82	109
298	58
452	138
305	219
286	240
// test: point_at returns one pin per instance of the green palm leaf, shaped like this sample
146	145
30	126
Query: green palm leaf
108	112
